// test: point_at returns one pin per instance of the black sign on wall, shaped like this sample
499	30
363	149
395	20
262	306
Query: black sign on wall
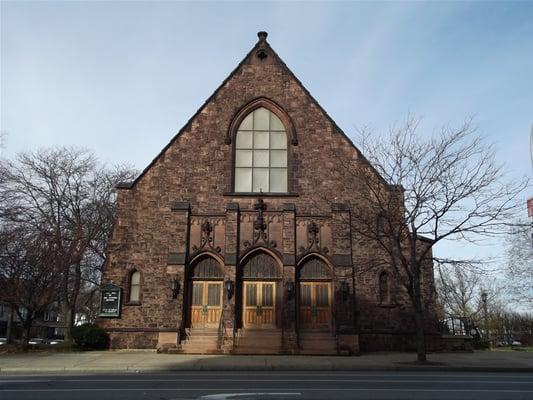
110	301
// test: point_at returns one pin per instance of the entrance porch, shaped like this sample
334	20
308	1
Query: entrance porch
273	310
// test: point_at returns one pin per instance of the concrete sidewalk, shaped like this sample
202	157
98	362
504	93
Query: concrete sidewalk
146	361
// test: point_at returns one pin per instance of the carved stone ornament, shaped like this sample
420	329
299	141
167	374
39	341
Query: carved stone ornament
262	54
313	240
260	226
206	240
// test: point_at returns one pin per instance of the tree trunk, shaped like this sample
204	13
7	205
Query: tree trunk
72	321
420	340
26	327
66	311
70	300
419	309
9	328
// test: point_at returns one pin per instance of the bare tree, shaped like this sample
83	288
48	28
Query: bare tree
459	288
506	326
469	292
66	197
427	189
28	278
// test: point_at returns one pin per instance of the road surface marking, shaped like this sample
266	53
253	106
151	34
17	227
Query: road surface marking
224	396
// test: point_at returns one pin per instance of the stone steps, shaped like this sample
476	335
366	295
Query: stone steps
317	343
200	341
256	341
259	341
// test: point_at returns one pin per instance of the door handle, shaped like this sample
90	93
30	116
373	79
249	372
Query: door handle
259	311
204	310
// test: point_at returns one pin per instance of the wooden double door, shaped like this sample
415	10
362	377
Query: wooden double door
206	304
259	305
315	305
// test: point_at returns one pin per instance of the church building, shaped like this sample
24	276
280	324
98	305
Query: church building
238	237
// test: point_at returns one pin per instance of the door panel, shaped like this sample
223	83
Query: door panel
305	305
267	294
258	304
323	309
315	305
206	306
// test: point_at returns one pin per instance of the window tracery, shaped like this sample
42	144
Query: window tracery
261	154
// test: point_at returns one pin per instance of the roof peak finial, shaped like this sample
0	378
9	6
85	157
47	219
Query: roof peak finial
262	35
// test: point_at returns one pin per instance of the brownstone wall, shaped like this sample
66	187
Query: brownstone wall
158	227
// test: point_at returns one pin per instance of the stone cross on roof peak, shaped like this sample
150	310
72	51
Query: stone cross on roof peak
262	35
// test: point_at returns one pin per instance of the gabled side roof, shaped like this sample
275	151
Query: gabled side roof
261	43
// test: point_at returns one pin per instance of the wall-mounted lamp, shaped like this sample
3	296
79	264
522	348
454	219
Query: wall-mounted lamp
290	289
175	287
229	285
345	290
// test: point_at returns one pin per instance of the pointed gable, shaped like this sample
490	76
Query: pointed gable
265	68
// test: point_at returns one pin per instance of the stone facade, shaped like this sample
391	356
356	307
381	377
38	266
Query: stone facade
183	208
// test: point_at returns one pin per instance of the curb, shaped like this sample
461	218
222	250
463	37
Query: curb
200	368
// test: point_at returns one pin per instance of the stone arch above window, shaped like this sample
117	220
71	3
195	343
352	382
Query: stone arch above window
314	268
207	268
261	159
268	104
260	266
135	287
384	288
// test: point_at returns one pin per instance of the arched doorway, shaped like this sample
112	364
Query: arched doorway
260	277
314	295
206	282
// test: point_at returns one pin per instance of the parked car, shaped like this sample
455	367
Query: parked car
56	341
516	343
36	341
3	341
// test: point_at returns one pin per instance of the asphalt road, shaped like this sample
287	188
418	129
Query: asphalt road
270	385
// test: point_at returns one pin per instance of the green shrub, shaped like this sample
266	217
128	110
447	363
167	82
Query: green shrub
90	337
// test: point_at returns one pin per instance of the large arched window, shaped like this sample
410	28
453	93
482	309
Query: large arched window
261	153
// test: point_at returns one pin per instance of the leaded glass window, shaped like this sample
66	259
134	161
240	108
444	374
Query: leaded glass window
135	286
314	269
261	266
384	290
207	268
261	153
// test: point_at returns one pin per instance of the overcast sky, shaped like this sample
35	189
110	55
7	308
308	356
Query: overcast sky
121	78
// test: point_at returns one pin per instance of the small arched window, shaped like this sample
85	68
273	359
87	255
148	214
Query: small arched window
261	154
380	224
384	289
135	286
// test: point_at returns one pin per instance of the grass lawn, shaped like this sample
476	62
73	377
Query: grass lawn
513	348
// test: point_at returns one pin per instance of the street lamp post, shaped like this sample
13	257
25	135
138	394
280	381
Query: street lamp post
485	317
